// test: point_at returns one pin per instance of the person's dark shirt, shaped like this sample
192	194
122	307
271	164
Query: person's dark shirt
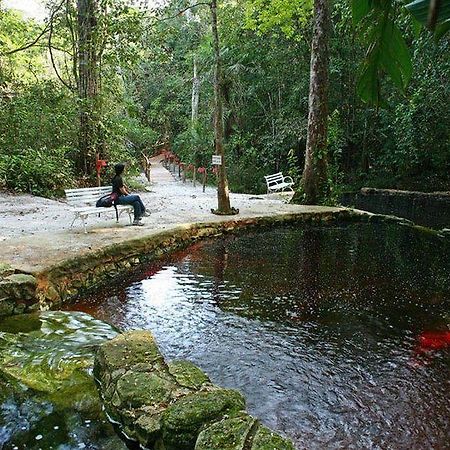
117	184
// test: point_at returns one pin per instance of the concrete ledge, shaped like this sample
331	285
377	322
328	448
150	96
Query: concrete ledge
431	209
173	406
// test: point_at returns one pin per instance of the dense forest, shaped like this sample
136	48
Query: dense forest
113	78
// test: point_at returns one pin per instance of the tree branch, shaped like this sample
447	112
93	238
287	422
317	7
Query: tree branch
59	49
52	59
74	43
183	10
40	35
29	44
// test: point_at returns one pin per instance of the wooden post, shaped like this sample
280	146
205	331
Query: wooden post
205	177
97	158
194	175
147	166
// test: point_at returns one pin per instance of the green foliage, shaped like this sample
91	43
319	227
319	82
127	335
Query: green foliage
294	167
145	99
416	147
387	50
39	112
195	145
38	115
335	150
142	138
285	15
39	172
420	10
15	31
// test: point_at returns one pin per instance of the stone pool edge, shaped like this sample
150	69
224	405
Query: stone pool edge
56	284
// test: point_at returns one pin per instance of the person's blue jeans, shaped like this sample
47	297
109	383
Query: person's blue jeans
135	201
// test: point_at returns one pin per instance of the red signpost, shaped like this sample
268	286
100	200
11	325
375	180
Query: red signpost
99	165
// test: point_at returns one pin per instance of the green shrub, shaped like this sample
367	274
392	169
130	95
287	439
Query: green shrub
40	172
139	136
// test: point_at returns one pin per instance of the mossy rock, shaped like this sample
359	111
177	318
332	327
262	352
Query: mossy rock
188	375
148	429
184	419
136	389
5	270
18	286
266	439
25	323
174	406
6	307
40	378
127	350
227	434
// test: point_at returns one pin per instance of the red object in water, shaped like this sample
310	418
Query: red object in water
427	343
433	340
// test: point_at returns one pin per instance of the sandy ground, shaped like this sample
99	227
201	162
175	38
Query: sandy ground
35	232
169	200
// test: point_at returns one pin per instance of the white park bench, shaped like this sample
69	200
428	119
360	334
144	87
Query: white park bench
277	182
82	203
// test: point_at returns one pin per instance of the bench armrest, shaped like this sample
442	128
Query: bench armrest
285	179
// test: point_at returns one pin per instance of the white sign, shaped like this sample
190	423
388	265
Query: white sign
217	160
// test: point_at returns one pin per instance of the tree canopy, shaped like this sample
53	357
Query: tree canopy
388	91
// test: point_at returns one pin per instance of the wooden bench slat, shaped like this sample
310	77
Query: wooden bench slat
278	182
275	176
88	194
83	200
101	188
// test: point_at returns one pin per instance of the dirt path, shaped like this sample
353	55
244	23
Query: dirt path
170	201
35	232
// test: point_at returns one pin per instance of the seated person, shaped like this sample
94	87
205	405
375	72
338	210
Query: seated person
125	198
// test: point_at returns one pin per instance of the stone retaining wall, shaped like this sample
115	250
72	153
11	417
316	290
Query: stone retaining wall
173	406
424	208
79	274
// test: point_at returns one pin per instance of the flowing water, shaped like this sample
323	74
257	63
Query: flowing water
338	336
48	398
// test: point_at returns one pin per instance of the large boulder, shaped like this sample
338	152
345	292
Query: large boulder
16	291
173	406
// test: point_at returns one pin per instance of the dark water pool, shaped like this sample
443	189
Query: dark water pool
337	336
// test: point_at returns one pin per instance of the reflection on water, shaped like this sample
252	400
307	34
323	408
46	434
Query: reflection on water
48	399
321	328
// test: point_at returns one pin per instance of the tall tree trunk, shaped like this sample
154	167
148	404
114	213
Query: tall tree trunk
88	84
314	180
195	93
223	197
